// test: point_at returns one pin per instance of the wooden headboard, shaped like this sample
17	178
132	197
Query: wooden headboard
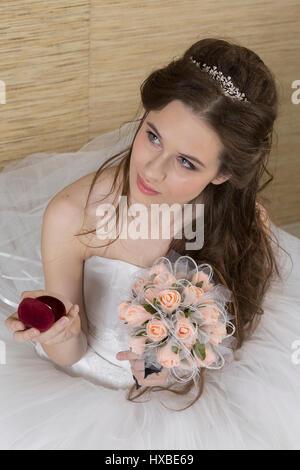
71	70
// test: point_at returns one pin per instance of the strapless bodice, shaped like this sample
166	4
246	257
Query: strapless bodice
106	283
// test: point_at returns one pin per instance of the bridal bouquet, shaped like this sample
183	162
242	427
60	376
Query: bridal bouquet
176	317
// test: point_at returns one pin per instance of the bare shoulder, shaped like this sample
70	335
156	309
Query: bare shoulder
78	192
74	206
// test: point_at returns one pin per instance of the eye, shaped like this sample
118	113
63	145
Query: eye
150	134
190	165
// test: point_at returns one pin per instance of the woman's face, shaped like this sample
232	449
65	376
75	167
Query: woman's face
157	156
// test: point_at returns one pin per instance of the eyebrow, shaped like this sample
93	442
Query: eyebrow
183	154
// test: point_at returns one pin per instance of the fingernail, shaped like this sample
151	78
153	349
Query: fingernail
64	321
33	333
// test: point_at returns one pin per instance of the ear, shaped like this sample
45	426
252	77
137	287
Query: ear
220	179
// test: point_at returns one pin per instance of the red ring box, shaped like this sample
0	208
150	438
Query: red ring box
41	312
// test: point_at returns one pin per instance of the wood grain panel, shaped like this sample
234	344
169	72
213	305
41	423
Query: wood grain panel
44	62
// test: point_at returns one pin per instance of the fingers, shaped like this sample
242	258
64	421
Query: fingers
138	365
23	334
27	335
56	329
127	355
13	323
137	362
49	336
73	312
138	369
17	325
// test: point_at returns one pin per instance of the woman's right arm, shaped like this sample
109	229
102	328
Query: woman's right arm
63	261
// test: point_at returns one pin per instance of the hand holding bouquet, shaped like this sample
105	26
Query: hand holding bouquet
176	318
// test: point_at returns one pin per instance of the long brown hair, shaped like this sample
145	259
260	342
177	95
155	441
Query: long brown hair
236	243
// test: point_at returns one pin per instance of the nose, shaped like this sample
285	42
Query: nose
155	172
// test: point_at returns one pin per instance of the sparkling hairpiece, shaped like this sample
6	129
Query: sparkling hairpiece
228	88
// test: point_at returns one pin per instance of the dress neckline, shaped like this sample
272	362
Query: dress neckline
115	260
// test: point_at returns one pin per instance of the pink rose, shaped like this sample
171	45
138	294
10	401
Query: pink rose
167	357
137	344
138	286
185	331
217	332
202	277
192	295
165	279
156	330
169	300
150	293
134	315
210	313
158	269
122	309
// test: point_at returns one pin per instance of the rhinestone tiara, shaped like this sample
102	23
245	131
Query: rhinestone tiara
228	88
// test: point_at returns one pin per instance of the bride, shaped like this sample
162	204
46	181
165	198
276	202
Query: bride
204	138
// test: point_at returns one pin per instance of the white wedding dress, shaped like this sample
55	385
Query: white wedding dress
252	403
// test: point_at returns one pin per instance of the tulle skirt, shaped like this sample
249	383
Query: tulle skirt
252	403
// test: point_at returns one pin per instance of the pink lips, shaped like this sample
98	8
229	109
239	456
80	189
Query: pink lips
144	188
